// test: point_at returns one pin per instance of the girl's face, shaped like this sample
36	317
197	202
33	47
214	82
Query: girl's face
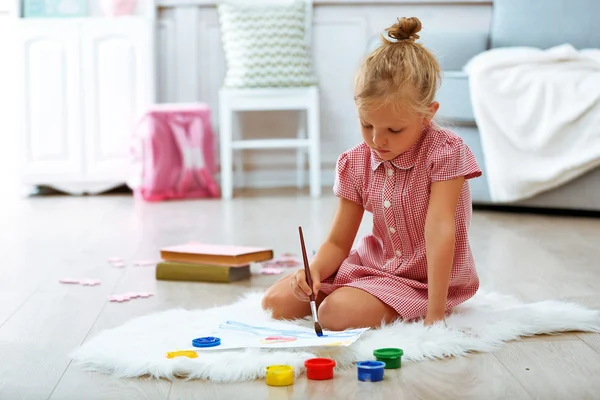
389	132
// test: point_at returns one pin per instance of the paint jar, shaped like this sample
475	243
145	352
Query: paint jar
390	356
280	375
319	369
370	371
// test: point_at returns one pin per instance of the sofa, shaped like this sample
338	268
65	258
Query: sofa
535	23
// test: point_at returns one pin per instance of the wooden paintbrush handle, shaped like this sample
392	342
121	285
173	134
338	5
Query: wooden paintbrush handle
306	268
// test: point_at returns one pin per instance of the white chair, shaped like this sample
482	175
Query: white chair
307	141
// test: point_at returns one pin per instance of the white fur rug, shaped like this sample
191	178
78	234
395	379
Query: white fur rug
482	324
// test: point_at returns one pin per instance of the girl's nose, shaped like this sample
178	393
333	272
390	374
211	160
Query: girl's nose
378	139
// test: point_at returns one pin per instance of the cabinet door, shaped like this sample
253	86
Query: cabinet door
118	86
48	120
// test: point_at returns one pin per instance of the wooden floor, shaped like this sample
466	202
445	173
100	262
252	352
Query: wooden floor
47	238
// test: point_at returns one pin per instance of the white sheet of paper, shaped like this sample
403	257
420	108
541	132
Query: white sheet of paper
277	335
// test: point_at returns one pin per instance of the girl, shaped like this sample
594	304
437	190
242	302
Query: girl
412	176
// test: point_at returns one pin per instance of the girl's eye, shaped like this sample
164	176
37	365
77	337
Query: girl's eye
366	126
394	131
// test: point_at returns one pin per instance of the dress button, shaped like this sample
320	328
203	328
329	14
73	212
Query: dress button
387	204
398	253
392	229
390	172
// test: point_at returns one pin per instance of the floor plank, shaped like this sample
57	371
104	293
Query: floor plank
36	340
560	337
533	258
30	255
191	390
591	339
475	377
554	370
97	386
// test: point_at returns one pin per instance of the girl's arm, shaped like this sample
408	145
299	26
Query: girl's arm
439	242
336	248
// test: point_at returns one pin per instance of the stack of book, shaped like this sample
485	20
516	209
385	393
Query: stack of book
208	262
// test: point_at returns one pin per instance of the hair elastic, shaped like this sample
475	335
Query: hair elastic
386	36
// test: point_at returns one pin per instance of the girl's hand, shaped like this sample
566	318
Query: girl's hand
431	319
299	286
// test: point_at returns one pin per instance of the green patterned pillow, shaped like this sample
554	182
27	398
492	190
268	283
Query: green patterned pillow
264	44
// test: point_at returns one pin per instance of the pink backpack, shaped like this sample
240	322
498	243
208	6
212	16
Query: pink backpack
173	156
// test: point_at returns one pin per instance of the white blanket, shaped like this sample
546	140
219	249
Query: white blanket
538	112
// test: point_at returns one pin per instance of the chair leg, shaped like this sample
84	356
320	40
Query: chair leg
238	160
314	136
301	153
225	136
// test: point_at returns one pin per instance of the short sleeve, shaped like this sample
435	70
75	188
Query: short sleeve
345	184
452	160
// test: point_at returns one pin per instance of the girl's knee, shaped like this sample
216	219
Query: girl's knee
351	308
332	314
281	304
270	300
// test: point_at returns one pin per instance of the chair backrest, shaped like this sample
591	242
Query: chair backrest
546	23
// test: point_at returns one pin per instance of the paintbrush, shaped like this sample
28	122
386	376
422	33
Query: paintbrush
313	304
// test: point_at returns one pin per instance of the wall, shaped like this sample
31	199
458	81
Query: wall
8	181
192	68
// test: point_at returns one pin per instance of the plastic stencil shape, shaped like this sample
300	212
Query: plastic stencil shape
118	264
90	282
144	263
69	280
83	282
119	298
271	271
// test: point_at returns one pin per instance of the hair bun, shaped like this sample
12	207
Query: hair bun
405	29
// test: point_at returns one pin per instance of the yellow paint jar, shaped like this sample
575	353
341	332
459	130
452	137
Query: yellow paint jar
280	375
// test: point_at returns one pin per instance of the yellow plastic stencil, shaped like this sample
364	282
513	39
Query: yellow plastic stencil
182	353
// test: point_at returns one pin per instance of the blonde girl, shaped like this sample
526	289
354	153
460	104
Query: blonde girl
412	176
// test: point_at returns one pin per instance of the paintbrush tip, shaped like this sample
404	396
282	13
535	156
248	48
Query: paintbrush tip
318	329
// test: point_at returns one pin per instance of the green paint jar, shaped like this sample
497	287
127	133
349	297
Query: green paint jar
390	356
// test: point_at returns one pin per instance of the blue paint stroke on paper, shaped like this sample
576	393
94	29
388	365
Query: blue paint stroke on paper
262	331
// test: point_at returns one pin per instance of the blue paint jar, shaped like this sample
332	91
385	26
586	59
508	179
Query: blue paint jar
370	371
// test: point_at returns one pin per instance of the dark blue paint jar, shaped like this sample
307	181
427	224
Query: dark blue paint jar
370	371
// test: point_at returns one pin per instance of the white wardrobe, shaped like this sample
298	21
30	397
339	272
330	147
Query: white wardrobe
81	86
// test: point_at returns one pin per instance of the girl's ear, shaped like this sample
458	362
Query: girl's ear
433	108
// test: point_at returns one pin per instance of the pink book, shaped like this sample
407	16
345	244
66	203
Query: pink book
204	253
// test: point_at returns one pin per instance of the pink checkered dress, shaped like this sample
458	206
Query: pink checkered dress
390	263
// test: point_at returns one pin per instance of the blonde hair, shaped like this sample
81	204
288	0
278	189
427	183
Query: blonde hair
399	72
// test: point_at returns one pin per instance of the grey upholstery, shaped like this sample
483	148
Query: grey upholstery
454	49
455	99
545	23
